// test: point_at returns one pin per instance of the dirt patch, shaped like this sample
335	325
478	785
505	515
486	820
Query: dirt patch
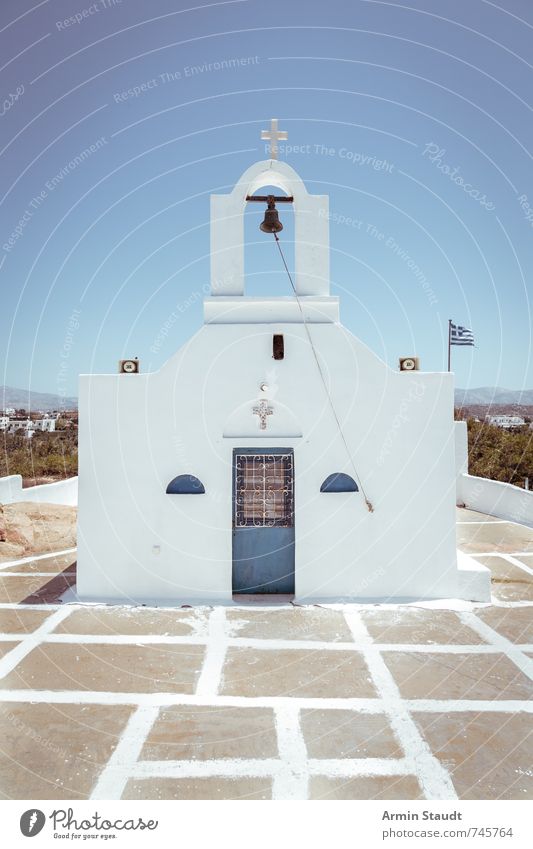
42	479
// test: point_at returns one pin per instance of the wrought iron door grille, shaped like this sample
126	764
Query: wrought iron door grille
264	490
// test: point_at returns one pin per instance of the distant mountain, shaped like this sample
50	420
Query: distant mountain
487	395
493	395
24	399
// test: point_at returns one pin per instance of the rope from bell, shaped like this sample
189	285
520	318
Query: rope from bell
368	503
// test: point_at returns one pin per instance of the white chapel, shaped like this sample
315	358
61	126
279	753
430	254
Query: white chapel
267	456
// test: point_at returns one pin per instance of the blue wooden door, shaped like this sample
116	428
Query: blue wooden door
263	520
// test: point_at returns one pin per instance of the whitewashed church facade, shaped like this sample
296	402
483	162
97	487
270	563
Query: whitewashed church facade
274	451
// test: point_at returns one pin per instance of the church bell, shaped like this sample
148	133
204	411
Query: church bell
271	222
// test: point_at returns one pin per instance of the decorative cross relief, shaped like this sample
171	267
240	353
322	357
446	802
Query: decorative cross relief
273	136
262	410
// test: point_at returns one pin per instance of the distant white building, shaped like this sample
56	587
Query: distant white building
15	425
47	424
27	425
20	426
506	422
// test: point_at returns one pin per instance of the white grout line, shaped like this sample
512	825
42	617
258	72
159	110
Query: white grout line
112	639
167	699
115	774
516	562
223	768
365	706
346	767
500	643
216	657
501	553
497	602
217	641
493	522
7	563
434	779
35	574
30	641
469	705
270	767
292	780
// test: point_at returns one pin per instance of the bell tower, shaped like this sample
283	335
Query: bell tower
311	229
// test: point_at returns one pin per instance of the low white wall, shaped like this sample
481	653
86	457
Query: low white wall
10	489
60	492
495	498
461	448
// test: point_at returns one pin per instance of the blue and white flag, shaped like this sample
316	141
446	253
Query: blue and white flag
460	335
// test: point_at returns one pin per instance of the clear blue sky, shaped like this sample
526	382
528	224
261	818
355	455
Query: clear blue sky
392	106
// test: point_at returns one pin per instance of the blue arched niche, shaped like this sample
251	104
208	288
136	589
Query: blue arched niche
339	482
185	485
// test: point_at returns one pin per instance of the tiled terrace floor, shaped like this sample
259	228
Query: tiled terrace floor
279	701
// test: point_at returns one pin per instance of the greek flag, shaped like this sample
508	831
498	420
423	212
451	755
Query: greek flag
460	335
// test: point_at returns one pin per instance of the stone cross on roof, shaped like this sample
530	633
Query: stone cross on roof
274	135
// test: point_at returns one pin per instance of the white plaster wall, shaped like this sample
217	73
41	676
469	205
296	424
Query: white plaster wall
401	433
497	499
461	448
59	492
461	457
10	489
241	310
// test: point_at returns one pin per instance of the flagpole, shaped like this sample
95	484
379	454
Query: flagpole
449	342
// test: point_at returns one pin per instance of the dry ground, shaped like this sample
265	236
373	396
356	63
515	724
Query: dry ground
262	701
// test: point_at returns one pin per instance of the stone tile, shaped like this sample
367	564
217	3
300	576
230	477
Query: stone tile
295	672
488	755
508	582
22	620
34	590
415	625
134	620
117	668
348	734
5	647
365	787
51	564
197	733
294	623
463	514
513	623
14	589
198	788
52	751
494	536
457	676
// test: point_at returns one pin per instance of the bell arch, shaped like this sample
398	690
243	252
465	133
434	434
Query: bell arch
311	231
264	274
